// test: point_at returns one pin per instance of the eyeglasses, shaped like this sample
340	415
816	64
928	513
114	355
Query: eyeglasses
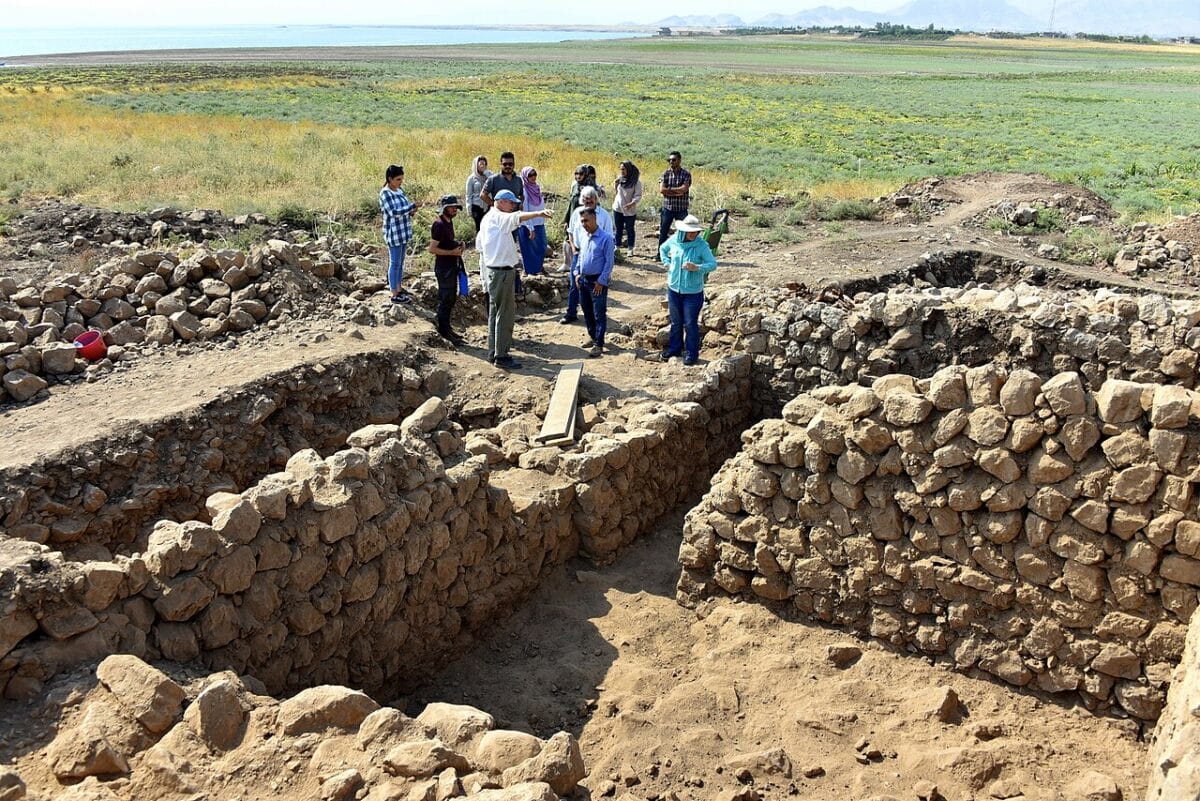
507	163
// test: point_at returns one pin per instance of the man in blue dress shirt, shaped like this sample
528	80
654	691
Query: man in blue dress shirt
592	276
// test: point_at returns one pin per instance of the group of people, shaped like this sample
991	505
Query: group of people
509	212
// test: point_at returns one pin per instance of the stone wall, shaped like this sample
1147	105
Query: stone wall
1175	748
109	491
161	297
369	566
802	340
1035	531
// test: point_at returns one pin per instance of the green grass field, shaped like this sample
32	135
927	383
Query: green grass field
772	114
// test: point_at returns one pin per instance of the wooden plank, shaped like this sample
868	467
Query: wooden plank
569	438
560	415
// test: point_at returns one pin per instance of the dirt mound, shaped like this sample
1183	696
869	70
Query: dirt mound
1169	254
999	194
53	228
1185	231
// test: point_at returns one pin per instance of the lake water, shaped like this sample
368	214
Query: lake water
45	41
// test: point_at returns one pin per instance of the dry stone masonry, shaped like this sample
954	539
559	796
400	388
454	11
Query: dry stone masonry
142	298
1030	529
370	565
222	735
1175	749
800	341
105	494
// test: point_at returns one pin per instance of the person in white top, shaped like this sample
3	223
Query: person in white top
497	265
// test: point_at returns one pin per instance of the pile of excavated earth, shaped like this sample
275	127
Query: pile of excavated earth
925	531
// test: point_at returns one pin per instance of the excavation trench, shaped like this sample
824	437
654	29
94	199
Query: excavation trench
333	553
365	566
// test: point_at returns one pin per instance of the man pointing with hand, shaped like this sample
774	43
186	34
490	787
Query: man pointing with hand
498	258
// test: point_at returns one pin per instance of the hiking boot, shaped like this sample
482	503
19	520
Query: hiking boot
506	363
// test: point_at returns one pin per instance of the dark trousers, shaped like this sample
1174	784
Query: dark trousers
447	281
595	308
685	324
624	227
572	291
477	215
665	218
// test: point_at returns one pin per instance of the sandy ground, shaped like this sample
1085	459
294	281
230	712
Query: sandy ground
662	698
659	696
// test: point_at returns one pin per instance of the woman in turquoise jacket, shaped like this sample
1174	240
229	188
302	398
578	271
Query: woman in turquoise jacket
688	260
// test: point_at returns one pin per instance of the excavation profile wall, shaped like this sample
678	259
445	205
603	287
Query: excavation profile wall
108	492
370	565
1034	530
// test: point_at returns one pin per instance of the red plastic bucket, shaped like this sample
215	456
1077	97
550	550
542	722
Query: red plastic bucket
91	345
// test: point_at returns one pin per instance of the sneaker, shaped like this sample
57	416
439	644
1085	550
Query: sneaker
688	362
451	335
666	356
596	350
405	298
506	363
567	320
588	343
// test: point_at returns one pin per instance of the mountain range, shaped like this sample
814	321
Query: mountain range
1162	18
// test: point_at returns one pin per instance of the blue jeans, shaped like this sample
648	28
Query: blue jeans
685	324
395	266
595	308
665	218
533	251
624	228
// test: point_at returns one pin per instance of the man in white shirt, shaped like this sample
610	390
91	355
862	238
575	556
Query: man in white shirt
498	261
589	198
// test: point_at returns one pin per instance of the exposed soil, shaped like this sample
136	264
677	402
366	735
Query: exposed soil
663	698
659	697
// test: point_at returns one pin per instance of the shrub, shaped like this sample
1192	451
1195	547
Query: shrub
760	220
1088	245
850	210
367	209
1048	220
296	216
243	238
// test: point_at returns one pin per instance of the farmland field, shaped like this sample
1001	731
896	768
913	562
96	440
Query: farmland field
756	116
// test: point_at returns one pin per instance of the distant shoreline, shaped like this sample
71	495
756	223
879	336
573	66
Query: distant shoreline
156	44
242	55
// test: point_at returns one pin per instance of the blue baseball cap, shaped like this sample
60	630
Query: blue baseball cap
506	194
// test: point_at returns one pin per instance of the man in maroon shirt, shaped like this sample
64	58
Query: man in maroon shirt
447	263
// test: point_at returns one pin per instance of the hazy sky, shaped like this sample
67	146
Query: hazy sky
26	13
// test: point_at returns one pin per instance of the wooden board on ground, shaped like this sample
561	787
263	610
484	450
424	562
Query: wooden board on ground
569	438
560	417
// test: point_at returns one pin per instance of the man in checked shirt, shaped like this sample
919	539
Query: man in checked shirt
674	187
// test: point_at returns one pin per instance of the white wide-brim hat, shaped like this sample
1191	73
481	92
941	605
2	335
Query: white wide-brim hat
688	224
